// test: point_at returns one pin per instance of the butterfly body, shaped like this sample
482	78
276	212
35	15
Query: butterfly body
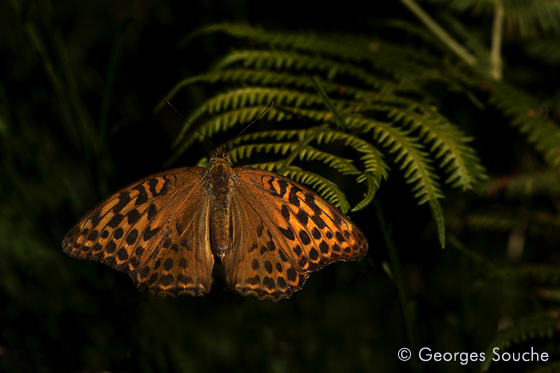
220	181
165	231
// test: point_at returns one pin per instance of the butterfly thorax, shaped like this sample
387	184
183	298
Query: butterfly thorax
219	174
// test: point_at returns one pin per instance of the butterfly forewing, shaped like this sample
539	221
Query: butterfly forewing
154	230
315	231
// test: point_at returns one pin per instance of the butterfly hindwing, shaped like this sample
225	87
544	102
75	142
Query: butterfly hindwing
256	263
143	230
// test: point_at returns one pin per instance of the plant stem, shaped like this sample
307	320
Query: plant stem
323	94
497	28
440	32
398	278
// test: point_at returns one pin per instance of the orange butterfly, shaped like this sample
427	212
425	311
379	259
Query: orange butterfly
268	231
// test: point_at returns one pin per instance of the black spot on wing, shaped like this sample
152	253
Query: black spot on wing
283	184
119	233
268	266
149	233
93	235
281	282
310	202
292	274
115	220
316	233
133	216
337	219
339	237
143	273
304	237
152	211
122	254
124	199
168	264
313	254
293	198
167	280
132	237
285	212
318	221
96	218
302	217
153	183
111	247
268	283
142	196
288	233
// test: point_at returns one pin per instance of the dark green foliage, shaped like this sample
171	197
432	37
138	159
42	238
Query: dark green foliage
537	325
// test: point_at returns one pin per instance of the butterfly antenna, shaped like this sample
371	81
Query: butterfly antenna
192	125
247	126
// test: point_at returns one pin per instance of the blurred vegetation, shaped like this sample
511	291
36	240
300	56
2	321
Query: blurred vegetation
435	98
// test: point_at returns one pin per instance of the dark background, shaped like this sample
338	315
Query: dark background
61	314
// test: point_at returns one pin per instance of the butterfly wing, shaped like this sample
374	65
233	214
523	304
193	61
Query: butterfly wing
156	230
281	232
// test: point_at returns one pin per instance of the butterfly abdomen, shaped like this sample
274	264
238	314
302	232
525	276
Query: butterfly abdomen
220	172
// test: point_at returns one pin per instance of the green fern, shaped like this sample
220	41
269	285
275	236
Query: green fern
528	17
551	367
523	186
535	222
372	91
526	115
540	273
537	325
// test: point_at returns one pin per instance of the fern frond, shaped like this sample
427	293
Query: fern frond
372	159
305	153
372	186
537	222
410	154
537	325
494	221
447	143
534	17
282	60
525	113
392	59
374	168
347	47
527	185
539	273
550	367
527	17
545	50
222	122
366	86
413	162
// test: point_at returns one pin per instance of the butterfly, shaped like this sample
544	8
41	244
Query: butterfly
166	230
